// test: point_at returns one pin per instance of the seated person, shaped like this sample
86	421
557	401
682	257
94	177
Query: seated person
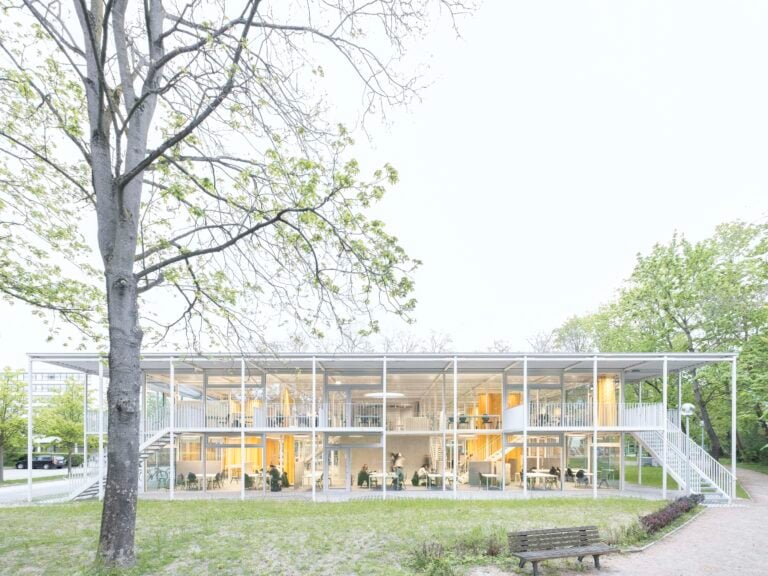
569	475
364	477
421	474
554	471
275	479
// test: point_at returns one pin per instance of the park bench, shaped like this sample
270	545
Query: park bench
535	546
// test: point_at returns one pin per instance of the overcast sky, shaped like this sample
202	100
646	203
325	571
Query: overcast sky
558	140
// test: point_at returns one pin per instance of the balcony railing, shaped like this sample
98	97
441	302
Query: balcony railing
580	415
424	422
475	421
352	415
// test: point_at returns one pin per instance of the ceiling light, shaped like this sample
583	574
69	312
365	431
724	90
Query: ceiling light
384	395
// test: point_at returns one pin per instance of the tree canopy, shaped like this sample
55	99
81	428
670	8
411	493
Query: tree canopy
202	142
13	420
685	296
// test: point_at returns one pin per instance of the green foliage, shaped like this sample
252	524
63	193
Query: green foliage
63	416
702	296
12	413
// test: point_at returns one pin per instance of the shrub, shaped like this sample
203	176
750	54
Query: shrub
424	556
661	518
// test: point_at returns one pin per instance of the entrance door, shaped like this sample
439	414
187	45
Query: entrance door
339	467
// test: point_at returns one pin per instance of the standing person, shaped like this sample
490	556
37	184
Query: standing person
364	477
398	462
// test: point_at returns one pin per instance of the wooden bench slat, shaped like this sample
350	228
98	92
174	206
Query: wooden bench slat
565	553
537	545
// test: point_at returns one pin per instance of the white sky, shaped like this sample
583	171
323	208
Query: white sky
559	140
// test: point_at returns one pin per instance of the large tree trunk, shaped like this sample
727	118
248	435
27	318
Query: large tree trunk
716	449
118	519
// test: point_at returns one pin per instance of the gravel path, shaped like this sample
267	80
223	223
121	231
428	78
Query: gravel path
727	540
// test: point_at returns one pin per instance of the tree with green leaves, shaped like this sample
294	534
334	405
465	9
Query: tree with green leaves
13	420
201	140
63	418
687	296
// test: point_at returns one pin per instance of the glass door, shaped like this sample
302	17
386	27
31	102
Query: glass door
339	465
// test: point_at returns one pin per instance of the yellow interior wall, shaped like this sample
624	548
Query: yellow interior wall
489	403
606	399
514	399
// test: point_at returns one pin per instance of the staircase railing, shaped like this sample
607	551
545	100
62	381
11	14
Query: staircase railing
700	460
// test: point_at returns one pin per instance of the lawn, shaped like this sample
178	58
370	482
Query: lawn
301	538
34	480
755	466
652	475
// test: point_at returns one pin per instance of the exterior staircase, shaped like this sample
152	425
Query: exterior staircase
690	465
89	489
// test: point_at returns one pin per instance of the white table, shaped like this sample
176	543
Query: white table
375	477
488	477
309	478
438	479
544	476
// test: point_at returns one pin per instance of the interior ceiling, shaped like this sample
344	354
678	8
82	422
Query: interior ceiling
422	369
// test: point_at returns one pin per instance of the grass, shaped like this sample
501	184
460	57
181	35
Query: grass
34	480
291	538
652	475
754	466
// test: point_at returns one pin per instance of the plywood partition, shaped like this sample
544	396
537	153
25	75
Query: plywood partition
607	388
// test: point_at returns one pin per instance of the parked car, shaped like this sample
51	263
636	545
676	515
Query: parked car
44	461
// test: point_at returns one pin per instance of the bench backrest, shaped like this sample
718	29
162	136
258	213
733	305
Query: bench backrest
552	539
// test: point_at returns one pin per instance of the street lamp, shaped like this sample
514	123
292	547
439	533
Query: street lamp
687	410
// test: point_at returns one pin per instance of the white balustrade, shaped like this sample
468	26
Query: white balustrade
642	415
353	415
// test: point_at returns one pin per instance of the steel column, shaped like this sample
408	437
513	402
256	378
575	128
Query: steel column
384	429
733	429
314	430
594	427
172	425
524	463
101	428
665	391
242	429
29	428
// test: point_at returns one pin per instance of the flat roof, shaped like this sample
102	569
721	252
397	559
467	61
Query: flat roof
636	366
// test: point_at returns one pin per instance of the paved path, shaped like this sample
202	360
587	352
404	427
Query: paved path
727	540
722	541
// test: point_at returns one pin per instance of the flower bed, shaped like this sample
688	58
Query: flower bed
660	519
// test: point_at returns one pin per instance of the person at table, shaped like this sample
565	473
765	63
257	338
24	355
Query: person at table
421	475
398	463
364	477
275	483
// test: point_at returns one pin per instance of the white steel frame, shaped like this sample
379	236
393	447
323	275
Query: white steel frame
454	363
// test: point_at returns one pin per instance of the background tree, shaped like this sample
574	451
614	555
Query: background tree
12	413
705	296
62	417
198	137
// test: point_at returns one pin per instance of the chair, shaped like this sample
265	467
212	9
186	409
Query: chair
192	481
215	482
180	481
